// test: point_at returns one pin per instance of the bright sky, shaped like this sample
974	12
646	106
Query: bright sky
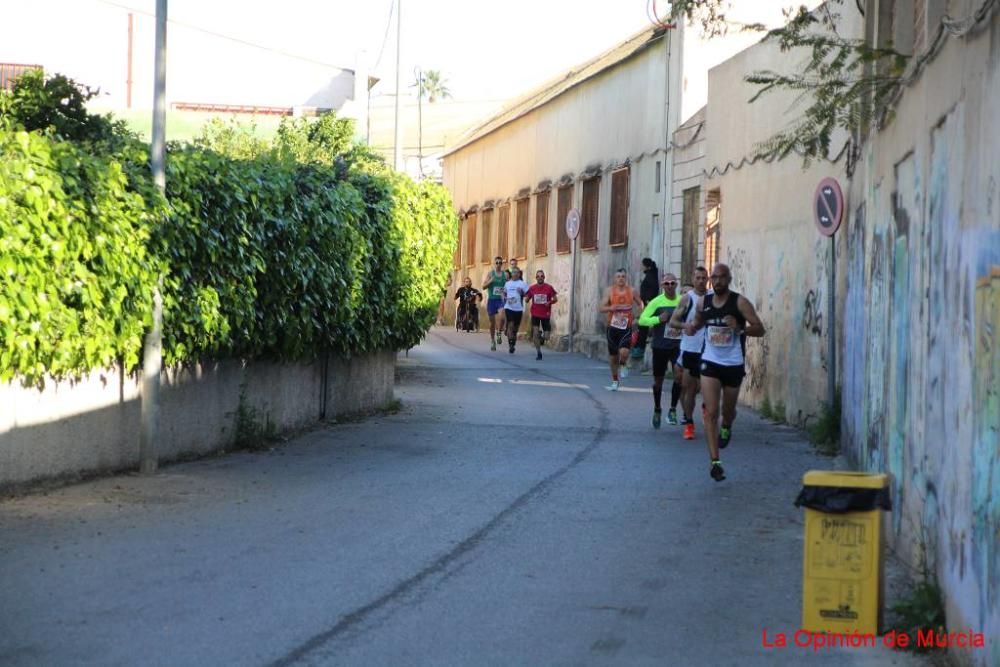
484	50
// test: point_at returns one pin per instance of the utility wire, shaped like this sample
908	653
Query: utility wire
220	35
385	38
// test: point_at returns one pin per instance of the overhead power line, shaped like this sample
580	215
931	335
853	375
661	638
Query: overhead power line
219	35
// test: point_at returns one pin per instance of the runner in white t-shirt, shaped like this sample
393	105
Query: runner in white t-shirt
513	306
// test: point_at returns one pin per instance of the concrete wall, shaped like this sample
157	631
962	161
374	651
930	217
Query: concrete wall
778	258
921	294
92	425
615	118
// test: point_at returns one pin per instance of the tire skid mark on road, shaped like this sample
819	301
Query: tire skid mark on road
352	619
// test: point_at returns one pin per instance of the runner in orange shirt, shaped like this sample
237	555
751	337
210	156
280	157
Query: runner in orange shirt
620	302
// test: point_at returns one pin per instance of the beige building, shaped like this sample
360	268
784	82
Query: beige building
593	140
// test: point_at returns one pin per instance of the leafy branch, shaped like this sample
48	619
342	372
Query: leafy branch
844	82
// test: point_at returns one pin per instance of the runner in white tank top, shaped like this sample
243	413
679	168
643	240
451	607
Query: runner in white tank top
691	347
728	317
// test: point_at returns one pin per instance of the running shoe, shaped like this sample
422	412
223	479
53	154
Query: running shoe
624	372
656	418
493	346
689	431
511	350
499	337
538	356
717	473
724	435
672	417
613	386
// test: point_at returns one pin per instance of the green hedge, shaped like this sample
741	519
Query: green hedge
270	257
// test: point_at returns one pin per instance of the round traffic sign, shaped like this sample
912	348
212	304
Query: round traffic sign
572	223
828	205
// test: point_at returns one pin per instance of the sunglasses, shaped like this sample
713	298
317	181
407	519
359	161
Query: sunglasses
669	282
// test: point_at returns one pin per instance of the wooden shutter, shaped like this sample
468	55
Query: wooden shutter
564	204
521	231
542	223
503	231
470	239
619	207
484	236
588	216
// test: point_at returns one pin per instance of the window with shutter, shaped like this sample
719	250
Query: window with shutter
619	207
485	254
521	229
470	239
564	204
503	231
542	223
588	216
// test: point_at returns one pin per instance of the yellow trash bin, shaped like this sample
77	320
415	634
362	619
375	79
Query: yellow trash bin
842	564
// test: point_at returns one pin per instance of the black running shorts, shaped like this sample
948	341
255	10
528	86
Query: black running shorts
729	376
691	361
664	358
514	317
618	339
542	322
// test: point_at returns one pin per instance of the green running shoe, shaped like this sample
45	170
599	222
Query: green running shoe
724	435
656	418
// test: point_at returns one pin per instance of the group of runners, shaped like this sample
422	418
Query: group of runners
700	335
506	292
697	333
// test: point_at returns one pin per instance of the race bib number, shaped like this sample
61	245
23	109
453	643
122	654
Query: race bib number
720	336
513	300
619	321
541	299
497	291
673	334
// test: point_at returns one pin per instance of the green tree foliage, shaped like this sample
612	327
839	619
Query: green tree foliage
57	105
75	267
433	86
845	82
266	250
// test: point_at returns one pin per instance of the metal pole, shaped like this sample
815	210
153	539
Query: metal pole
397	152
128	78
831	330
420	122
572	296
152	352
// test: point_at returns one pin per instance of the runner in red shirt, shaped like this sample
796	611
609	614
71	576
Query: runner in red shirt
542	296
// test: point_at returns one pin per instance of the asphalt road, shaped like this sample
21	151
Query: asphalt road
514	512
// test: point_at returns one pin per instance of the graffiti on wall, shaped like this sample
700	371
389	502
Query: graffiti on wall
812	313
921	378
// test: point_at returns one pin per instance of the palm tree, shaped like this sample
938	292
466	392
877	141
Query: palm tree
433	86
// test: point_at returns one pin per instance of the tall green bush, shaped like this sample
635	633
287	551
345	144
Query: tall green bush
283	251
76	273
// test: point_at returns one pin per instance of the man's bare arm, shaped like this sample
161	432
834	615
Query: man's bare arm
754	326
676	321
606	303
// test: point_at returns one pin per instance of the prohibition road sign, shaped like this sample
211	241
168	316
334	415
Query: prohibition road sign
572	223
828	203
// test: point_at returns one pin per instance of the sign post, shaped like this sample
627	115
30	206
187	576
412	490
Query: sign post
828	205
572	230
